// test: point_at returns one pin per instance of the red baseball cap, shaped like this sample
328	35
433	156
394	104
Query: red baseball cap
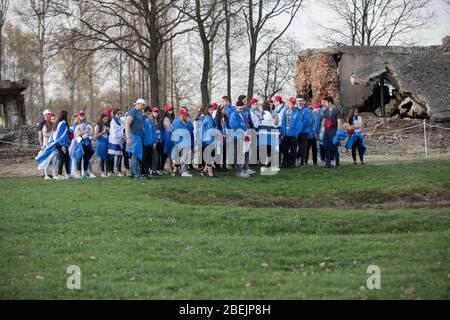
318	105
108	111
155	108
252	101
168	107
183	112
269	100
81	112
214	106
292	100
323	98
279	99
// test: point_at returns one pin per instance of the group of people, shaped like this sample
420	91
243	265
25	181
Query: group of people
151	142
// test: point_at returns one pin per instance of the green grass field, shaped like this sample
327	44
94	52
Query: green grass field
304	234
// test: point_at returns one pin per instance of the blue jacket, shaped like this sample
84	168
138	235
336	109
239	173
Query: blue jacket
353	137
230	110
207	136
306	121
150	134
238	122
181	134
318	120
339	137
296	124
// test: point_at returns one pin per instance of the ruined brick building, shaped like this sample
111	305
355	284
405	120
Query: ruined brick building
12	107
412	78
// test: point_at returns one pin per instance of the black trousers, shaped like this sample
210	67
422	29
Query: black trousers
290	151
104	165
126	156
282	160
88	153
113	162
147	157
357	145
156	157
64	160
312	144
302	147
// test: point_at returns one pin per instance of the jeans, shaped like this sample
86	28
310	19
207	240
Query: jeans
331	150
88	152
135	166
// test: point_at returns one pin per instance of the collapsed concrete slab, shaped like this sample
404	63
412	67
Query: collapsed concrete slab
353	76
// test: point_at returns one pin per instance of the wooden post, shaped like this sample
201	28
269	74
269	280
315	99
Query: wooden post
425	138
383	113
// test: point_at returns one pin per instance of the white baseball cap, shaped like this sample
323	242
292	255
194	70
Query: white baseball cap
46	111
140	101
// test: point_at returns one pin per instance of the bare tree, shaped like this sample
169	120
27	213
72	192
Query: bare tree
208	18
376	22
258	15
4	5
232	32
38	16
146	25
276	69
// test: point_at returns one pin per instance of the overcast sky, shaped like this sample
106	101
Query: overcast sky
305	26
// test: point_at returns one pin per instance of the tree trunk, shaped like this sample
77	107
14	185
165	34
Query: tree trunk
227	46
120	81
1	52
252	69
211	69
205	74
154	77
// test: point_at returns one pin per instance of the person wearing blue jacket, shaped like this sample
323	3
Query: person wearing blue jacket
239	125
148	143
290	130
313	141
181	138
229	108
209	138
356	138
305	131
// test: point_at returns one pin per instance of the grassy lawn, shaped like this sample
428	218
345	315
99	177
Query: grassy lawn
303	234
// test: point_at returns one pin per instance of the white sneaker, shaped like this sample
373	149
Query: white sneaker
110	174
47	178
249	171
242	175
119	174
274	168
65	177
91	175
186	174
103	175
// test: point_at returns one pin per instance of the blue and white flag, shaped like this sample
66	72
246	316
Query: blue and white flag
45	156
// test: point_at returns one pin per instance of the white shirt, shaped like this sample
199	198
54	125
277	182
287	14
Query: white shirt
279	114
256	118
267	119
357	123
